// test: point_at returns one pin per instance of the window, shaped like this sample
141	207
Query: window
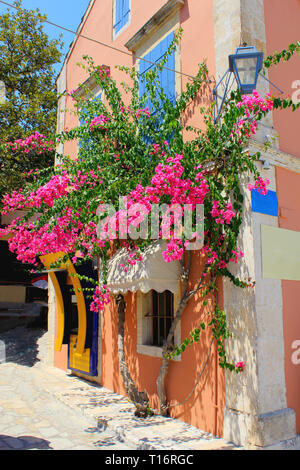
162	314
94	93
167	75
155	313
166	79
121	15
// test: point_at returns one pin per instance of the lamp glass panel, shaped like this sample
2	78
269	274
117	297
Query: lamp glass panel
246	68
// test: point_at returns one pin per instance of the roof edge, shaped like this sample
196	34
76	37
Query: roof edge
168	9
78	30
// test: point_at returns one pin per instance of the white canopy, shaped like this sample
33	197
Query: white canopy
150	273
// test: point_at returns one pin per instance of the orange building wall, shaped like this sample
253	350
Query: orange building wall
205	408
99	25
196	18
197	45
288	191
282	20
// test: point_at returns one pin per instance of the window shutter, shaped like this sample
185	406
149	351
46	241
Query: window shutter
118	15
85	140
166	77
125	11
121	14
81	122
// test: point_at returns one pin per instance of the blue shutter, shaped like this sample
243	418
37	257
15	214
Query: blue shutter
122	14
86	140
166	77
118	18
125	12
81	122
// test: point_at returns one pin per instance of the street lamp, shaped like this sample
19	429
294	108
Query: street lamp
246	64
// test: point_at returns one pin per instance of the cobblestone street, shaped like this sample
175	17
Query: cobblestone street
42	407
33	418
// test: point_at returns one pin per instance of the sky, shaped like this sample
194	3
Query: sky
67	13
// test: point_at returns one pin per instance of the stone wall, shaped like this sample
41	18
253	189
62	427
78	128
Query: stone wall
256	413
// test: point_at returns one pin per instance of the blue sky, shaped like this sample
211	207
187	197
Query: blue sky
67	13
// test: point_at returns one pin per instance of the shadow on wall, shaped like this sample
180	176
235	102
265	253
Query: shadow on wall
20	345
202	99
111	378
204	407
196	407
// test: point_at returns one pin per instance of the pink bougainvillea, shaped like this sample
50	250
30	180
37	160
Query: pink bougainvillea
260	185
251	106
101	297
240	366
36	141
167	185
99	122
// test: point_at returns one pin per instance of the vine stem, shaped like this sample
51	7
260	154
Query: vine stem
140	399
207	357
167	347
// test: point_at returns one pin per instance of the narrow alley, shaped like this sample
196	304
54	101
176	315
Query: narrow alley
31	417
44	408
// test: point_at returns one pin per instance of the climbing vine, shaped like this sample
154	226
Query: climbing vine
133	145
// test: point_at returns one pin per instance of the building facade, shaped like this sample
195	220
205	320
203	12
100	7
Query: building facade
260	407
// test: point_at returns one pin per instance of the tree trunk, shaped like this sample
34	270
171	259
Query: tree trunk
140	399
168	345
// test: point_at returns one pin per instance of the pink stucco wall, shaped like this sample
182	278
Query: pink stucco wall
196	19
99	25
288	184
282	19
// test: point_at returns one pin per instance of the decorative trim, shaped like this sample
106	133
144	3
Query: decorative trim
163	14
47	260
60	311
89	85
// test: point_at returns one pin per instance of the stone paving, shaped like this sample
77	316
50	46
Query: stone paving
44	408
31	419
31	416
